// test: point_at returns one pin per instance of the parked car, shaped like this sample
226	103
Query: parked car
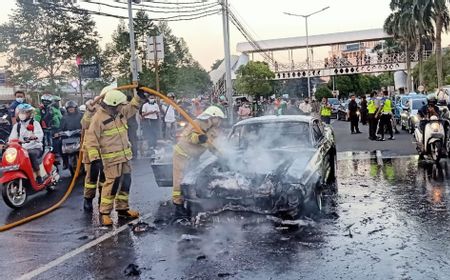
296	164
409	116
335	104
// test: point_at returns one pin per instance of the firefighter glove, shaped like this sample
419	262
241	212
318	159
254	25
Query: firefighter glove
202	138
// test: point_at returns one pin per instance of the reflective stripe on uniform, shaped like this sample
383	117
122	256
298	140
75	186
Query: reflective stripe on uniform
126	152
90	186
123	197
93	153
176	193
107	200
114	131
180	151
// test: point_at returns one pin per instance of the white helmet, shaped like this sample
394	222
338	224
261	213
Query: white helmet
82	108
211	111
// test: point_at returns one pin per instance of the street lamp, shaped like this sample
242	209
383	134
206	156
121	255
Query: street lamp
307	41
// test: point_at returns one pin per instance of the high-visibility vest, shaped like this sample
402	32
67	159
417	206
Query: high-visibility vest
387	108
325	111
372	107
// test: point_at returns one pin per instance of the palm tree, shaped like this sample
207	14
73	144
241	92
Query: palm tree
407	24
438	11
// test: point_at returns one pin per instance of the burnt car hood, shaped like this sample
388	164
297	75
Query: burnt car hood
250	175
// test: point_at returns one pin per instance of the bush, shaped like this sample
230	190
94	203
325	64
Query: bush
323	91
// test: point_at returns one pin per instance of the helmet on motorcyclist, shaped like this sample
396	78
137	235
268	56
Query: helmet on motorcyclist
82	108
71	106
46	99
432	99
24	111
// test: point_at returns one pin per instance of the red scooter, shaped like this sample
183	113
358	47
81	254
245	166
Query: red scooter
17	175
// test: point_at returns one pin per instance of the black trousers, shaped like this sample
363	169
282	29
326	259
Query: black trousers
354	123
373	123
385	123
35	158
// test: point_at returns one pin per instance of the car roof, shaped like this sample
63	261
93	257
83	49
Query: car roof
273	118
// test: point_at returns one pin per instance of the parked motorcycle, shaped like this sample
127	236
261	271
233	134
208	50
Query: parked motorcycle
18	180
70	147
430	143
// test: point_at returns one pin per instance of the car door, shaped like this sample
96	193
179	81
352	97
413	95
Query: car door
323	146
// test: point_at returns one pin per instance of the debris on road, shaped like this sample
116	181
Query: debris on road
225	274
142	227
132	270
201	257
189	238
376	230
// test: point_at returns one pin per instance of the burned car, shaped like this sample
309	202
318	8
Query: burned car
272	165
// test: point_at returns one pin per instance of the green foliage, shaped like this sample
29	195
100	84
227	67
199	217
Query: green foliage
323	91
41	41
179	72
254	79
216	64
430	73
359	84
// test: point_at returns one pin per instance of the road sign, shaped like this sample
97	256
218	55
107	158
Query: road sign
158	51
90	71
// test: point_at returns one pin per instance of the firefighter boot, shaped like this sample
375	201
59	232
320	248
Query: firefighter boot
87	205
128	214
106	220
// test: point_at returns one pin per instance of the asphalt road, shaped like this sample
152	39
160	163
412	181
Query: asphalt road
389	221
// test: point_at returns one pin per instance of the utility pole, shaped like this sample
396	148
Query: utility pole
308	66
226	42
133	61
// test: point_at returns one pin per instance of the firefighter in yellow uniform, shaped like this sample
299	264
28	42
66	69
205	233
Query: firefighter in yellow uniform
107	143
191	145
94	175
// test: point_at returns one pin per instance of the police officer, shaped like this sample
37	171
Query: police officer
385	118
373	121
108	144
325	111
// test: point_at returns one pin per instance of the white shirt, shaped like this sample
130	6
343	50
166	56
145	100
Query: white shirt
305	107
150	108
170	114
25	133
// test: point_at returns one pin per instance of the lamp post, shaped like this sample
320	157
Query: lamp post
307	41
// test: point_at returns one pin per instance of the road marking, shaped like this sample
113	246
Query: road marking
367	155
77	251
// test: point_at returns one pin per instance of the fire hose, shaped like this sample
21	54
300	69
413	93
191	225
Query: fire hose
80	156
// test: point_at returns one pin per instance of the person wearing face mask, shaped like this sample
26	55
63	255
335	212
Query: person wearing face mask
49	118
150	117
244	112
191	145
70	121
20	99
30	133
305	107
108	145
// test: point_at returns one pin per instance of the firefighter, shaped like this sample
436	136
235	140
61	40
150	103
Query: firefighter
190	147
96	173
108	144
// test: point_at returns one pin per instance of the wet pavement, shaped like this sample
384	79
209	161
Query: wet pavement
390	220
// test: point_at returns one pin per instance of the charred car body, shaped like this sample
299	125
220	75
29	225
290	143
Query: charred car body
276	165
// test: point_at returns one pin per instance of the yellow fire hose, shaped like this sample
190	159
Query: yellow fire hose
80	156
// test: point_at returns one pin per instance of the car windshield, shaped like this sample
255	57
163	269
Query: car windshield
418	103
333	101
272	135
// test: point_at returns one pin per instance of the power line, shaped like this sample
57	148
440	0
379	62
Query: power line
165	9
170	5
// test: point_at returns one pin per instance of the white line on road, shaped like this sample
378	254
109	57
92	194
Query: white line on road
77	251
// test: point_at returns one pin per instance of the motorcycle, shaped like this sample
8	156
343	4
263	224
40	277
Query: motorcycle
431	141
18	181
70	147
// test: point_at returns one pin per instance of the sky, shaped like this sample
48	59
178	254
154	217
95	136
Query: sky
264	18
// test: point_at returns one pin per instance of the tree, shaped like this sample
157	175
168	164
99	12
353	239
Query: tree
430	70
323	91
179	72
410	27
42	40
438	11
254	79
